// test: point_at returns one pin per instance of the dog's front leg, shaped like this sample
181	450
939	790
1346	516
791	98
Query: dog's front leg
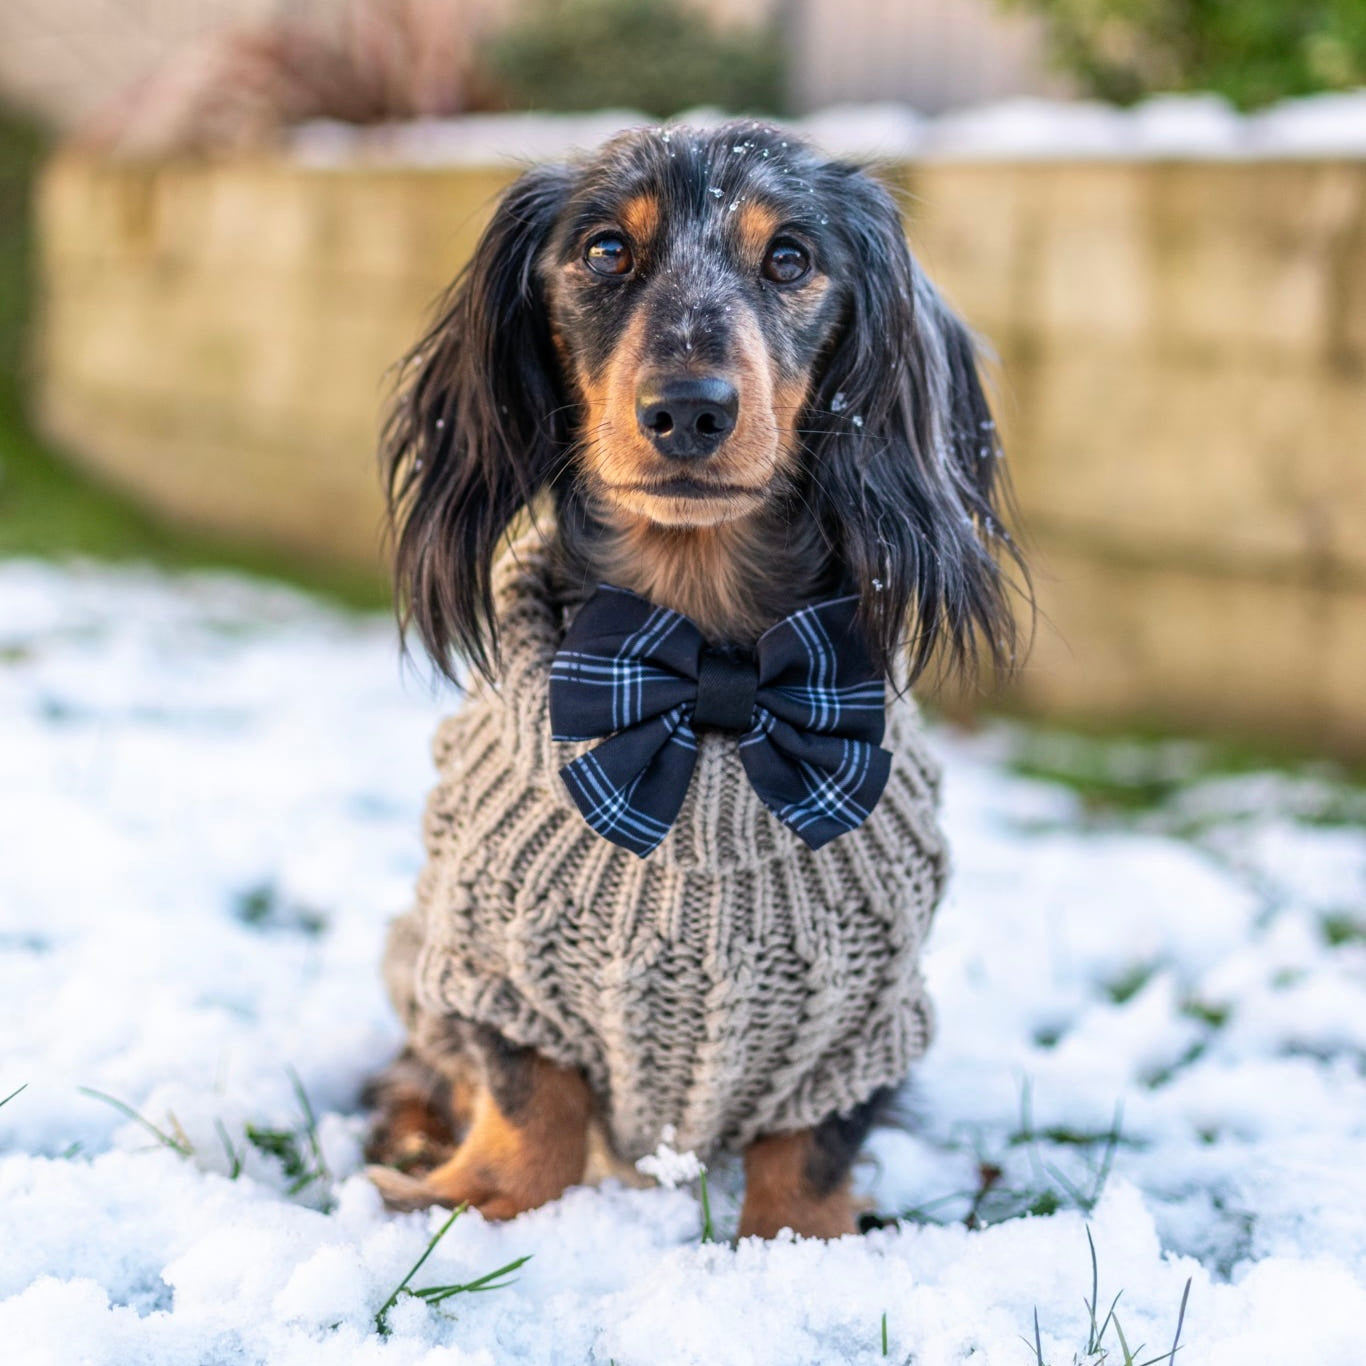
801	1180
526	1141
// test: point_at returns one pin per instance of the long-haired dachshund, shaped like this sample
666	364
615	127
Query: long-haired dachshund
708	365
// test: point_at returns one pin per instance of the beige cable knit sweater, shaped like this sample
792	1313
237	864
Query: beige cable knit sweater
734	983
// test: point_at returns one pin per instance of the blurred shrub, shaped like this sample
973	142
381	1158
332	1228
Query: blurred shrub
1251	51
22	146
658	56
358	61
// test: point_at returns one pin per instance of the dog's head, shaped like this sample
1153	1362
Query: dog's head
692	328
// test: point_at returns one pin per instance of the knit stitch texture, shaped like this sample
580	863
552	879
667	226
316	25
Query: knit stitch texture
732	984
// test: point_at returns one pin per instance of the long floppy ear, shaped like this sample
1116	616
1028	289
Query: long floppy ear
476	426
905	456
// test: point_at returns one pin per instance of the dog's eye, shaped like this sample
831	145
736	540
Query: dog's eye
786	262
608	255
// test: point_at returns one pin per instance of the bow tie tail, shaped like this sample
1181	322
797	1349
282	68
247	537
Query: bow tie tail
630	787
820	786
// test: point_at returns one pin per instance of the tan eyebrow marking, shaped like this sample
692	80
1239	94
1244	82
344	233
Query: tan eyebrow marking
755	224
640	217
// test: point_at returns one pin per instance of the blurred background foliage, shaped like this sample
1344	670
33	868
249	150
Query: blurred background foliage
658	56
1253	52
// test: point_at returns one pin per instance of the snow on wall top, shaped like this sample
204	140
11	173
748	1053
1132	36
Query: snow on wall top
1188	127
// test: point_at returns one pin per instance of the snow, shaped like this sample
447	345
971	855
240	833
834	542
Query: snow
1163	127
211	793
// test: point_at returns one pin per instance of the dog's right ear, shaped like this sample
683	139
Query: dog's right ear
475	429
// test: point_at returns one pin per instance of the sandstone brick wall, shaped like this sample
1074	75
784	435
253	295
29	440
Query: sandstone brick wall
1183	350
1182	387
216	338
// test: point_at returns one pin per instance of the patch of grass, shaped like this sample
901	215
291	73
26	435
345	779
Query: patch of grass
23	145
1111	774
1207	1012
298	1151
1047	1190
285	1147
1095	1353
1129	983
1157	1077
1135	772
1344	927
50	510
262	908
439	1294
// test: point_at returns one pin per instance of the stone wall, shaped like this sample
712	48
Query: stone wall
1181	385
1184	356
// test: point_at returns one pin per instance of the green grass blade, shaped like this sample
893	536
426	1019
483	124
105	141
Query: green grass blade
1090	1304
884	1332
492	1280
1180	1320
282	1145
1170	1357
303	1183
1068	1189
310	1125
708	1233
23	1086
234	1157
382	1314
1107	1158
1124	1346
178	1145
1109	1318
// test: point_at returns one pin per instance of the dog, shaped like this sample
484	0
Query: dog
703	367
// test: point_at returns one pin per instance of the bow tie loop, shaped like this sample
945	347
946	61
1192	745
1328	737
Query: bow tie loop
726	690
809	708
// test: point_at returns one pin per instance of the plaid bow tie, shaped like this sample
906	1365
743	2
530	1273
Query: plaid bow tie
810	708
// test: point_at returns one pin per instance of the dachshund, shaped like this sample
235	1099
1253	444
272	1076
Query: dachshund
707	363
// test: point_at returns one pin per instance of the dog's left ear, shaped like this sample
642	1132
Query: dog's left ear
906	459
476	427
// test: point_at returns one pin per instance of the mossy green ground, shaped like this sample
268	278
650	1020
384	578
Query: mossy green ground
48	508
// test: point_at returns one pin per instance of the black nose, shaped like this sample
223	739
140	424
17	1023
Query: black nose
687	418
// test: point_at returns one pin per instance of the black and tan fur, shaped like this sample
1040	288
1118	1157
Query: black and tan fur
841	439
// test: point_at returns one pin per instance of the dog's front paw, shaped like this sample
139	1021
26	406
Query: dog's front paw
463	1183
401	1191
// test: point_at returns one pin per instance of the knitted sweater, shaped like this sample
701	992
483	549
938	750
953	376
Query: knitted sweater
732	984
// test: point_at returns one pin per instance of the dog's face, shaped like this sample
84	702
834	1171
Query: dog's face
693	285
693	331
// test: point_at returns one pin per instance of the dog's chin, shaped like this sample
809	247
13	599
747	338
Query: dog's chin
687	504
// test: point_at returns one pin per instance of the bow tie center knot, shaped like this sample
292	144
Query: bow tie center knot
726	685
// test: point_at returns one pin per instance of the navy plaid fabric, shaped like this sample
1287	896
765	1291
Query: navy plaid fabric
630	671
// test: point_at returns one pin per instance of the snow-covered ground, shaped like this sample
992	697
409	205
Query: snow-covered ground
209	802
1172	127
